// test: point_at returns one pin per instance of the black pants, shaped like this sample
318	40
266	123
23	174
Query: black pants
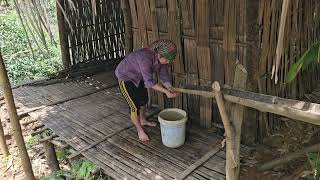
135	96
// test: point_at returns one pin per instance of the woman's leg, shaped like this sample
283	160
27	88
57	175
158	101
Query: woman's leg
141	134
133	109
143	120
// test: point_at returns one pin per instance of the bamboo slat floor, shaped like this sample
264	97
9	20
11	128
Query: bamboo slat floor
98	126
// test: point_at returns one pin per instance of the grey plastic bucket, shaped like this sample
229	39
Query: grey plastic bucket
173	127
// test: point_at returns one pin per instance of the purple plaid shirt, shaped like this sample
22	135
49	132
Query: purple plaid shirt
140	65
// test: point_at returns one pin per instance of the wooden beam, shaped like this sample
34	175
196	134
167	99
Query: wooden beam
51	156
299	110
14	121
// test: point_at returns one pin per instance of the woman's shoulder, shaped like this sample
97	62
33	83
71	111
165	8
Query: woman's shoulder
142	54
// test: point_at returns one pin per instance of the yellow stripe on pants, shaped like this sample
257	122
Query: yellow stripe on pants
133	108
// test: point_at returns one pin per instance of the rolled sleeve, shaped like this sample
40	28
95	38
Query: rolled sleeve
147	75
164	76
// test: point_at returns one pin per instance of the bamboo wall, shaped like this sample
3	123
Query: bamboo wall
197	27
94	30
213	34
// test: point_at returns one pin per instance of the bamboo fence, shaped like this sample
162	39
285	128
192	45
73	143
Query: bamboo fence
91	30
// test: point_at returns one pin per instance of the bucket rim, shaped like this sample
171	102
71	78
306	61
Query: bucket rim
180	111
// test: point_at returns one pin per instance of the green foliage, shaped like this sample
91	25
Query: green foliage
58	175
79	170
314	160
311	56
83	169
30	141
61	154
20	62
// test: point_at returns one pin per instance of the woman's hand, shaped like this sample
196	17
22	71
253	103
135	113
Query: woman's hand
171	95
169	92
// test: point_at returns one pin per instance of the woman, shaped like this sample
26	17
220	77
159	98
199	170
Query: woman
135	75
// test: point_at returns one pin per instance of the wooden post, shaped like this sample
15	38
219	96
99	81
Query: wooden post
128	26
236	118
16	128
51	157
3	144
231	154
64	45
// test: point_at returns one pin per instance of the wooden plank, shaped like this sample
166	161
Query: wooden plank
217	164
107	163
176	156
203	57
198	163
162	14
154	161
192	78
174	31
193	148
210	173
229	38
142	23
135	164
155	36
147	14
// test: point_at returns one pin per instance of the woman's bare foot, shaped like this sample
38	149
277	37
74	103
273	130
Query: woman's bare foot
143	136
144	122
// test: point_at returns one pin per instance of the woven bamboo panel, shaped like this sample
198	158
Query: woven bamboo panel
234	30
197	27
95	32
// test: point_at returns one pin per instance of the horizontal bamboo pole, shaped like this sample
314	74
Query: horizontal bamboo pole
299	110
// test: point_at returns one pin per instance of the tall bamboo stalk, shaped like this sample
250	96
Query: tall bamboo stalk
3	144
63	36
14	121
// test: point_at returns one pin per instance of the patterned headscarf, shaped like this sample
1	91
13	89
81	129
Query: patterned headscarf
166	48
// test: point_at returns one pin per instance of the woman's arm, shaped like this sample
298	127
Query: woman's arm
159	88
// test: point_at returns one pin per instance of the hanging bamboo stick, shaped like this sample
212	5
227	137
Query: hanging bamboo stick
16	128
280	44
3	144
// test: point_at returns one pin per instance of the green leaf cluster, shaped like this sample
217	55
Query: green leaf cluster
314	160
311	56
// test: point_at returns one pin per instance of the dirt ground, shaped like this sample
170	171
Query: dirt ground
291	137
280	143
10	167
